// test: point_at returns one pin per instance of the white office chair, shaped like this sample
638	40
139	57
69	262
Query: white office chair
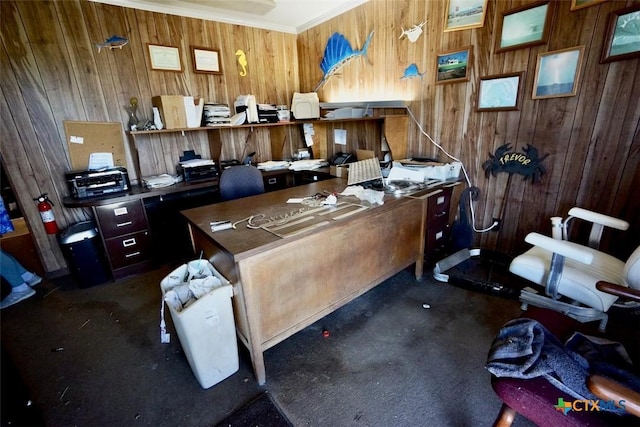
570	271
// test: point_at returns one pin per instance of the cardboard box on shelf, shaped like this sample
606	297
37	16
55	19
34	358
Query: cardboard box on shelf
172	110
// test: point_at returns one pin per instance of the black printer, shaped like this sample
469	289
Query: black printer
93	183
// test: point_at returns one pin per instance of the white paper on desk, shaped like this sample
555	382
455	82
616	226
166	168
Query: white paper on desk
100	161
405	174
340	136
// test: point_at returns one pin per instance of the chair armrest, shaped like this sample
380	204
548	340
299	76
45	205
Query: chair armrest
560	247
598	218
607	389
618	290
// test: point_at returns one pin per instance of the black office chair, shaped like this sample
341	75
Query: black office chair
240	181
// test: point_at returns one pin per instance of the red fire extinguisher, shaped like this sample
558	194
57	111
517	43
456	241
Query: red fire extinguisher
46	213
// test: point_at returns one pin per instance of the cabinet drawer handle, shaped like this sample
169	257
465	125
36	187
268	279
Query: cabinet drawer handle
439	214
129	242
132	254
124	224
272	181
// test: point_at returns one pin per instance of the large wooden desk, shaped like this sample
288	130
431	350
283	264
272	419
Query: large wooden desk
282	285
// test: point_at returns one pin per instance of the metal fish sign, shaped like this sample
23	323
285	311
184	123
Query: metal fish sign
413	33
337	53
113	42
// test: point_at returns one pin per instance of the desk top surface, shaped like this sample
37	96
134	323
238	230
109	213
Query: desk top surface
243	241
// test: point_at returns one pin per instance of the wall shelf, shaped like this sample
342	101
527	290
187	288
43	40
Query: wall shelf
280	140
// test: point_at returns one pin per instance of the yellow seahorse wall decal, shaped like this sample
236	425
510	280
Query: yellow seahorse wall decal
242	60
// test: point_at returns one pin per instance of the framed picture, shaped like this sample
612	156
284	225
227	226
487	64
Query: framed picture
622	39
580	4
465	14
453	66
164	58
558	73
500	92
206	60
524	26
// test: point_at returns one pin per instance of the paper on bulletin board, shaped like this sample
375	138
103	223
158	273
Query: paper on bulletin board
85	138
340	136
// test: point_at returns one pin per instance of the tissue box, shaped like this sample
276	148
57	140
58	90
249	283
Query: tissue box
172	110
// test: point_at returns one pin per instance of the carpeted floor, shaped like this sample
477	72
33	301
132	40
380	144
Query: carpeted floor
93	357
259	412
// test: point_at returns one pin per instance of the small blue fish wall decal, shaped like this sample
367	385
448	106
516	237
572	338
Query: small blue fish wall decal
113	42
411	72
337	53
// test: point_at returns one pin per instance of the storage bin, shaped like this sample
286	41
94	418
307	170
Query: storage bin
206	328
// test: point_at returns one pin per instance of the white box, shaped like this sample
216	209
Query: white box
305	106
444	172
414	171
206	329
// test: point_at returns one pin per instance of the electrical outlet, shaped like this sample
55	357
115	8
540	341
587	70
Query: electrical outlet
498	224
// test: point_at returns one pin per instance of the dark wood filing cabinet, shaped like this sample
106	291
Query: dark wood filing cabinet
125	232
437	222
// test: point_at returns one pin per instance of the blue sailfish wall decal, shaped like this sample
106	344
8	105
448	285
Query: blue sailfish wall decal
337	53
411	72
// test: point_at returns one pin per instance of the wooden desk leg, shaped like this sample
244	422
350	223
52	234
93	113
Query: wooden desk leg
257	359
253	321
419	268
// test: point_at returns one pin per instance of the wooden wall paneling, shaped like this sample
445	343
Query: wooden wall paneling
18	165
33	117
150	83
82	61
198	35
607	150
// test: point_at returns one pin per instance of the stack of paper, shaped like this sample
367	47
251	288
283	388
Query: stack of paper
273	165
196	162
309	164
159	181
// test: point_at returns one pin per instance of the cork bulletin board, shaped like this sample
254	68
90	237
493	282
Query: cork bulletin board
84	138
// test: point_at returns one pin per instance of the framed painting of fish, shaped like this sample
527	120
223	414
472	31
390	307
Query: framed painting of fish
464	14
453	66
164	58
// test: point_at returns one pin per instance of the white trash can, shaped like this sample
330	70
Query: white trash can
205	327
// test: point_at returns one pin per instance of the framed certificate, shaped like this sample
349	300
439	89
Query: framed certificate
164	58
206	60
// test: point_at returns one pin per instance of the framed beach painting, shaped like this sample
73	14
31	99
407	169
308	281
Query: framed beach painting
453	66
464	14
622	39
558	73
524	26
499	92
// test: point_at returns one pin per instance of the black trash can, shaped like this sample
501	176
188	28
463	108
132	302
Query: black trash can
83	251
